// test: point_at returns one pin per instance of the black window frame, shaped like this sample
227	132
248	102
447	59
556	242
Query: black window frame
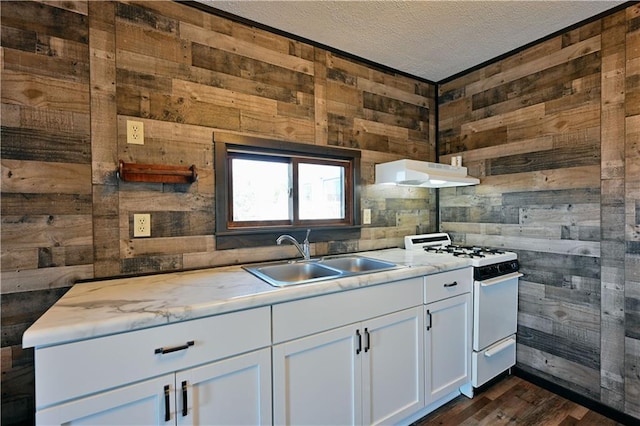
228	235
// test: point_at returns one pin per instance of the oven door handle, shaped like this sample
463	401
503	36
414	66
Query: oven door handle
499	347
501	278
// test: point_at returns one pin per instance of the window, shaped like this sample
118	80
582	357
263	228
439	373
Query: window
266	188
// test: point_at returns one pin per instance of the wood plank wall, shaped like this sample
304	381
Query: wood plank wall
73	72
553	134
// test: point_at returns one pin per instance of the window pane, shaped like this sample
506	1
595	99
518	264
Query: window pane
321	191
260	190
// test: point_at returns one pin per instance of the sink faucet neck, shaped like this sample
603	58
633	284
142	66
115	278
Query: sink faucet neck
304	249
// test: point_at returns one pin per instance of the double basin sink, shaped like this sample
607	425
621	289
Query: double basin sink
285	273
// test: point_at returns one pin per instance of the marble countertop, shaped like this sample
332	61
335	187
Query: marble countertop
118	305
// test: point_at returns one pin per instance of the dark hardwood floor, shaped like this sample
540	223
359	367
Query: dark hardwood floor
513	400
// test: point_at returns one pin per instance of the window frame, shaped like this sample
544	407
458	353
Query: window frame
229	235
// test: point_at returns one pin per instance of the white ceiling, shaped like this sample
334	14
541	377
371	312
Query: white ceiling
431	39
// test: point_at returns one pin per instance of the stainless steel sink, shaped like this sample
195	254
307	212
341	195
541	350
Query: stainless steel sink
357	264
285	273
282	274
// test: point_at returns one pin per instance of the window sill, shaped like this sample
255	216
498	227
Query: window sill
267	237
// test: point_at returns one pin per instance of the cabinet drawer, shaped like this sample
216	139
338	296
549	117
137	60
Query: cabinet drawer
308	316
492	361
447	284
67	371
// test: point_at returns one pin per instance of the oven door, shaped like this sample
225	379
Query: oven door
495	309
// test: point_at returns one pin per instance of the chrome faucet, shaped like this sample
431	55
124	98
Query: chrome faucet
303	249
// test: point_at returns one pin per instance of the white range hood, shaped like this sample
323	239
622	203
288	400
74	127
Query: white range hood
424	174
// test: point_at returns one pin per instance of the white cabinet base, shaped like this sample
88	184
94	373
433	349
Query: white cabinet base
137	404
447	346
236	391
316	380
370	372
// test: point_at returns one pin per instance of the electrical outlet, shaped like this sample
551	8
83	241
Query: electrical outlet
142	225
135	132
366	216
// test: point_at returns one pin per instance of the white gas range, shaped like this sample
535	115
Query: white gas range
495	301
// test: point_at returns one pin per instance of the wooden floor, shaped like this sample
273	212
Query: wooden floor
513	400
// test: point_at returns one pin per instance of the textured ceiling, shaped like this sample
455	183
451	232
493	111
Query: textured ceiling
428	39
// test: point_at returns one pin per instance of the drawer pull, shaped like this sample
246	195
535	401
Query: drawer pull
499	347
167	403
174	348
359	349
453	284
185	411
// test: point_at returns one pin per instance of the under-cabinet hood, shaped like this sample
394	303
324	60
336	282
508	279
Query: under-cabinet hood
422	173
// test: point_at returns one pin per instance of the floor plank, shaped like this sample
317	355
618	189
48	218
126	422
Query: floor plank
513	400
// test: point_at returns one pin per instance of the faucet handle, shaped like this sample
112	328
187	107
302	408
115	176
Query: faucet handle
305	245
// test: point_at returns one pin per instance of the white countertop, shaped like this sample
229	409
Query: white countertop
118	305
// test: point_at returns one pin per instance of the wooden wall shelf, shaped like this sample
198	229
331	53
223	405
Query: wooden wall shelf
157	173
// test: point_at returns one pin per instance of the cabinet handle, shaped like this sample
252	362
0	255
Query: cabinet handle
167	402
185	411
174	348
359	349
430	320
453	284
368	345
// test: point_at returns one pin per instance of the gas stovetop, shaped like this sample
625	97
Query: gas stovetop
440	244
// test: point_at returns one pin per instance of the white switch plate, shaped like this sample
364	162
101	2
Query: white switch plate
366	216
142	225
135	132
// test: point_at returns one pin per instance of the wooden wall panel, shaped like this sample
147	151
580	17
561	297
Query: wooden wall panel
74	72
47	222
613	201
552	132
632	212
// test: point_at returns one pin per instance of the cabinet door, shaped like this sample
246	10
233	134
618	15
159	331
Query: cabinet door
317	379
146	403
447	346
393	366
235	391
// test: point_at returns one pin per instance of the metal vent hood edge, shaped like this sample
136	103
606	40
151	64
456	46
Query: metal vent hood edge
423	174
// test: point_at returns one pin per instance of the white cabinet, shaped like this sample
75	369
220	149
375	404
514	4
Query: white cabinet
236	391
140	404
393	367
448	319
367	372
134	378
317	380
379	354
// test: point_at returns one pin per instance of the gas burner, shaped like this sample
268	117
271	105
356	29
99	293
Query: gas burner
439	249
488	250
475	251
467	254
